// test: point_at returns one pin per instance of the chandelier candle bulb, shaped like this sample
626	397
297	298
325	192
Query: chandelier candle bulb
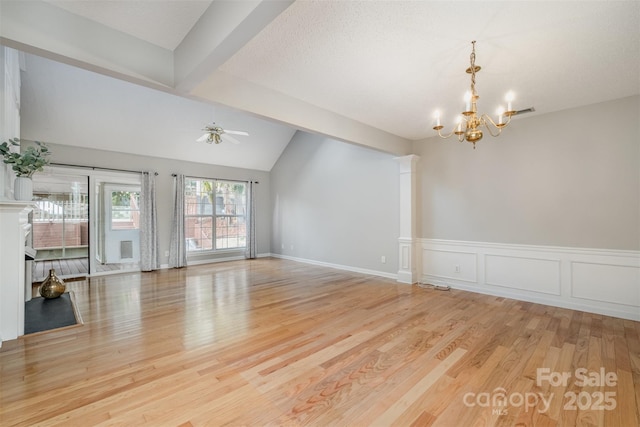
458	130
467	99
509	99
500	113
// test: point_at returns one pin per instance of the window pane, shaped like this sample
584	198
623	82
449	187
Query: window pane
207	201
230	232
230	212
198	233
125	210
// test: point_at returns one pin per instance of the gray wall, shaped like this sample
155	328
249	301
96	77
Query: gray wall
570	178
335	202
164	185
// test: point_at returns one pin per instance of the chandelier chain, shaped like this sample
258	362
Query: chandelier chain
472	57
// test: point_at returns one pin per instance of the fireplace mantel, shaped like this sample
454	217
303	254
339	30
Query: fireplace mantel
14	228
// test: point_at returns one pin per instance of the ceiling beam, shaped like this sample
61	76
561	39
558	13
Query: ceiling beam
40	28
246	96
221	31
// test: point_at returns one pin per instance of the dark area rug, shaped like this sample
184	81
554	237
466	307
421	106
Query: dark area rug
42	314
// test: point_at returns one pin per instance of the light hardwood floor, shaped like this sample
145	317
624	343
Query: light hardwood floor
71	268
274	342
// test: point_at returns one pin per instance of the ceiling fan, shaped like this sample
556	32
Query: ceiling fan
213	134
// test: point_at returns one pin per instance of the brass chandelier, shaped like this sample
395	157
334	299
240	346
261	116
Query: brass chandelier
469	124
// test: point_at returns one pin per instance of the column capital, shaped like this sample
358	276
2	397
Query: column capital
407	163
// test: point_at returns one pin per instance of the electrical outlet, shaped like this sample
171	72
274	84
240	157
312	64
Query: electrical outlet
457	268
166	254
383	259
283	246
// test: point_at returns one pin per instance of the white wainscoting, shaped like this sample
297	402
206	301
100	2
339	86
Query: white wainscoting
593	280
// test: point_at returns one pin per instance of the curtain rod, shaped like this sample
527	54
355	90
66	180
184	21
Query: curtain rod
97	168
216	179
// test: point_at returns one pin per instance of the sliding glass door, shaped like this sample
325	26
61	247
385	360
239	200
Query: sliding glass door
86	222
61	225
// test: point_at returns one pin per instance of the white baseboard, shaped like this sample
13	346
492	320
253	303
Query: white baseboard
593	280
338	266
214	260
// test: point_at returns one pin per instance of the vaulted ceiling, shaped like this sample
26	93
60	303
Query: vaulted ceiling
367	72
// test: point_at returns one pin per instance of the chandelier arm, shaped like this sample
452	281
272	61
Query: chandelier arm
490	125
446	136
503	125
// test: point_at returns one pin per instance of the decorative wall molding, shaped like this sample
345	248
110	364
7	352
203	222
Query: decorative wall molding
511	271
594	280
407	271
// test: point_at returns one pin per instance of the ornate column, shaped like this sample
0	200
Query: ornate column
407	270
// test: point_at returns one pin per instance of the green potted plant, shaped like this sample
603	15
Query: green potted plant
25	163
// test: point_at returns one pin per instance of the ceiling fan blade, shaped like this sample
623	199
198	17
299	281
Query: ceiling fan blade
203	138
231	139
237	132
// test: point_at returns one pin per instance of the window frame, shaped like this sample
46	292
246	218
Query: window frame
214	214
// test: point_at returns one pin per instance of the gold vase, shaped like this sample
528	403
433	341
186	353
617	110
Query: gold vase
52	287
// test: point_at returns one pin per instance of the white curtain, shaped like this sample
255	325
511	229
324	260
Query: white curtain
177	248
250	252
148	224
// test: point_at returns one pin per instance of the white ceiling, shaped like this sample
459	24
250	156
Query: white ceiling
368	72
161	22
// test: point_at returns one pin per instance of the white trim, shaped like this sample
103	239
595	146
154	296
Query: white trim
14	228
539	274
215	260
538	248
111	272
337	266
208	252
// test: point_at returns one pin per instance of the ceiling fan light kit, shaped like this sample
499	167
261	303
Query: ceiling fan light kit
214	135
469	124
210	138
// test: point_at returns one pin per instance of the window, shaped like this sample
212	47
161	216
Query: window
125	210
209	202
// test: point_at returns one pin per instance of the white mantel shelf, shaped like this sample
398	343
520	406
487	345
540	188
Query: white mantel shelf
14	227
